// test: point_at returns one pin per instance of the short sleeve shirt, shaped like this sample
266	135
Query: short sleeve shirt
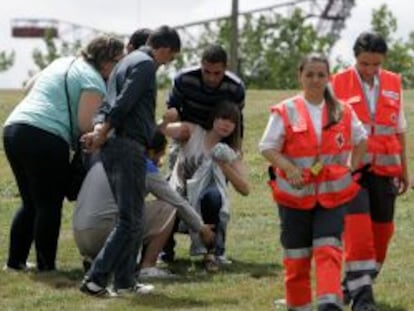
45	106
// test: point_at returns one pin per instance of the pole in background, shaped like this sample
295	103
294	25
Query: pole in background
234	41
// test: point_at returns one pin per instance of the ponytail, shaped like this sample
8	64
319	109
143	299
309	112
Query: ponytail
334	107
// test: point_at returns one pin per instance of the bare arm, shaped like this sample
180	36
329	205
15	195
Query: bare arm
177	130
235	172
89	103
403	179
92	141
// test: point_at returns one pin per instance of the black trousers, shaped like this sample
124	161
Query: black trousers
39	161
300	227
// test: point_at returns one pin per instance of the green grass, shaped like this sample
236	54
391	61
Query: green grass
251	283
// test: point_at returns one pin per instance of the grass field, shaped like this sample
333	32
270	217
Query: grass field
255	279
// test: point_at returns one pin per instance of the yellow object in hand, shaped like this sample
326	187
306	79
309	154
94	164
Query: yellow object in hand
316	168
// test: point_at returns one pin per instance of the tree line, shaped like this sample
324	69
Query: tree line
270	47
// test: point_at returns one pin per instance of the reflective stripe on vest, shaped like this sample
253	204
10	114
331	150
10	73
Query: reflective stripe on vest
382	159
325	159
335	185
307	190
380	129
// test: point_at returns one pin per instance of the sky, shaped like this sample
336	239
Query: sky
124	16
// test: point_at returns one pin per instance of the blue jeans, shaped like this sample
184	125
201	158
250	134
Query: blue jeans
210	206
124	163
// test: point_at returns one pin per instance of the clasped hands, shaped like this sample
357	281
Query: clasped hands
295	177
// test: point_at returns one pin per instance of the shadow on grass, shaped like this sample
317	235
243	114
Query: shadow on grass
160	302
60	279
386	307
188	267
187	271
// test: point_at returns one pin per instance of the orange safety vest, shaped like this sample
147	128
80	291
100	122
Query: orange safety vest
383	152
333	185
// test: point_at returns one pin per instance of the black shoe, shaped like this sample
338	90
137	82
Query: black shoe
346	297
365	307
167	257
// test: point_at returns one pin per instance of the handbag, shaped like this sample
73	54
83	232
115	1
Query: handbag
77	167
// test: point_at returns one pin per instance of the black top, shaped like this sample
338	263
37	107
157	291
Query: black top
195	101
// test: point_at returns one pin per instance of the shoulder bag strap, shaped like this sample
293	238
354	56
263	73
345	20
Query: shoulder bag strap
68	103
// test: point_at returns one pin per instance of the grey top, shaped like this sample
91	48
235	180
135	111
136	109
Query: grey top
96	205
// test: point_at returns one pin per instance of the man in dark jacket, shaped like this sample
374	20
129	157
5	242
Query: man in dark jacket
123	128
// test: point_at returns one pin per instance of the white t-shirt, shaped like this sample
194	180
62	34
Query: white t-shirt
274	134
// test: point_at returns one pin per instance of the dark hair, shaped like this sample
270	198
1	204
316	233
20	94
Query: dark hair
370	42
102	49
165	37
229	111
139	38
333	105
214	53
158	142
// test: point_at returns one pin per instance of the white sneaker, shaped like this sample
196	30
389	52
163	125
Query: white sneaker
139	288
155	273
143	289
280	303
23	268
223	260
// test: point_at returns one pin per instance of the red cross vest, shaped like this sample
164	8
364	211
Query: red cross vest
333	184
383	152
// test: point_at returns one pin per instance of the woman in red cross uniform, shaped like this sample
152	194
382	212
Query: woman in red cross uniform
309	140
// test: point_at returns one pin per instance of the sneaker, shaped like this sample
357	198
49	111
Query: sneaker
139	288
210	263
92	289
222	260
21	268
280	303
156	273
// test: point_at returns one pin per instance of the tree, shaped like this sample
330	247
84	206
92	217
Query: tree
6	60
53	51
400	56
270	47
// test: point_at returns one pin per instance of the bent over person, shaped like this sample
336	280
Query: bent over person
38	137
375	95
308	141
